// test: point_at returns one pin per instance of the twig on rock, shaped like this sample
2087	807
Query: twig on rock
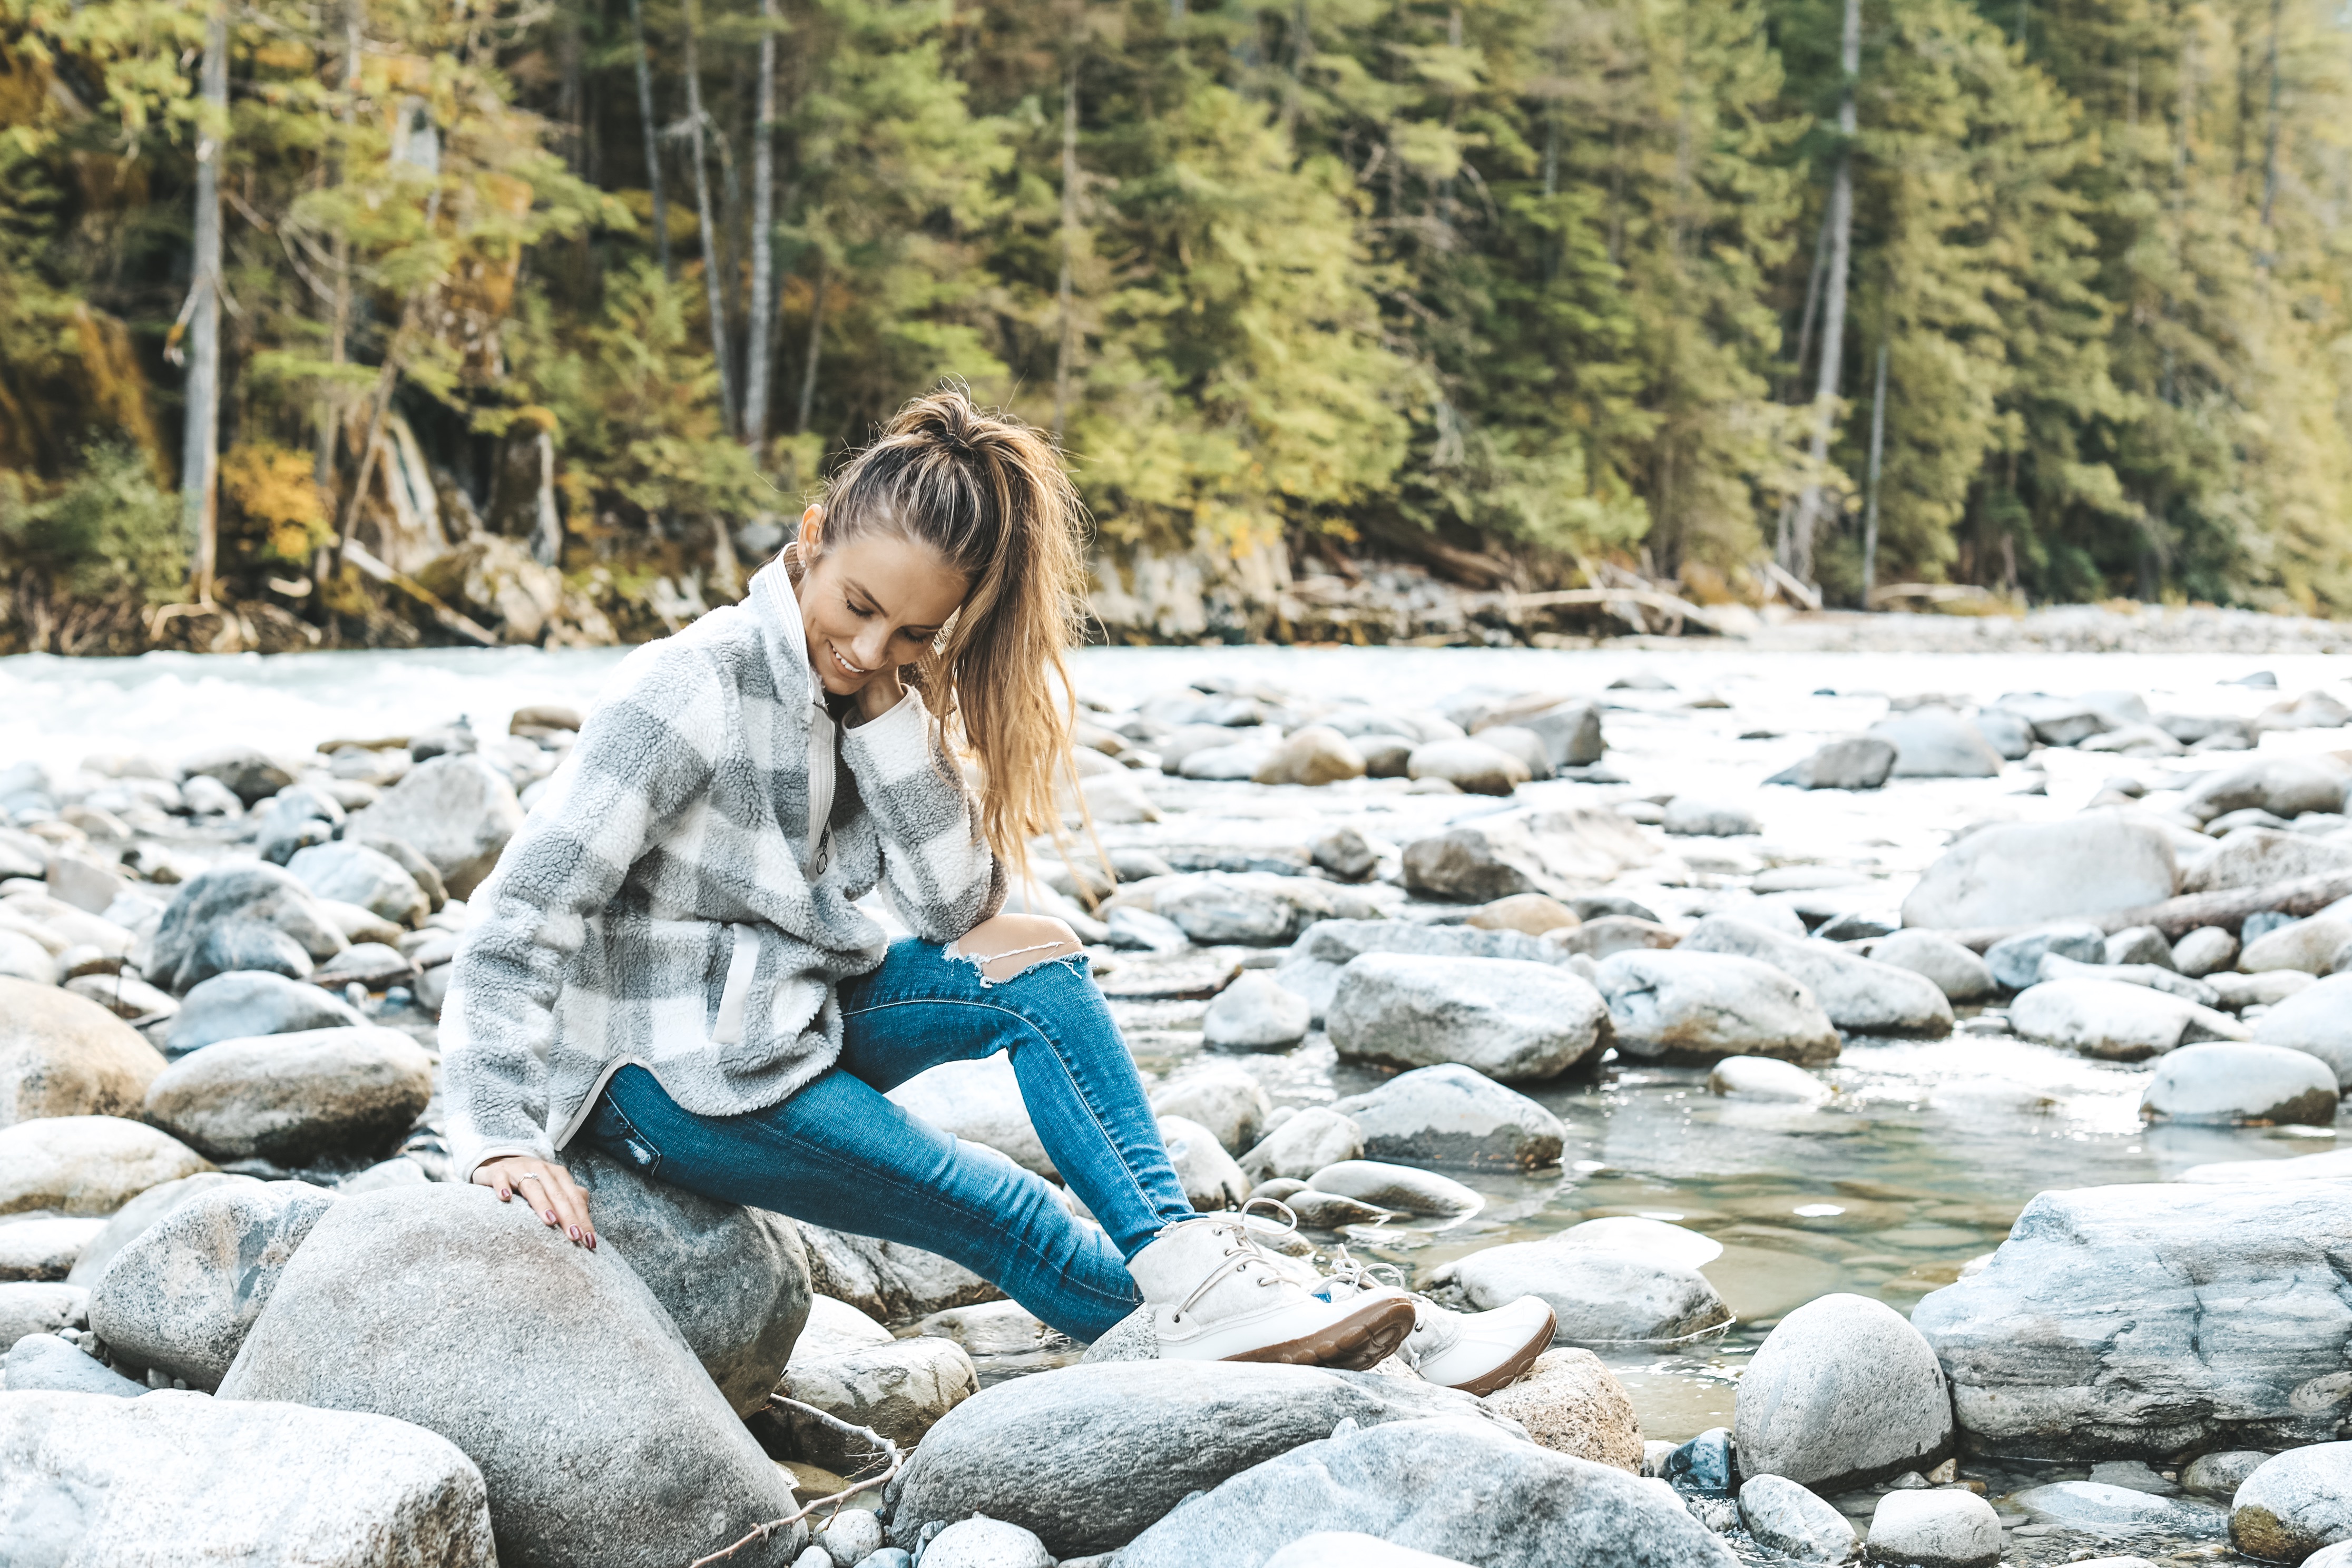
883	1449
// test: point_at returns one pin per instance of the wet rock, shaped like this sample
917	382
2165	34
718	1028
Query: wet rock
1510	1019
1568	1402
1140	930
62	1055
456	810
993	1328
901	1390
248	1003
2151	1320
1561	853
293	1099
355	874
2141	944
1328	1211
1456	1116
1256	1014
86	1164
1711	1005
182	1296
1764	1078
40	1307
1957	972
1227	1100
1471	766
2114	1021
1211	1179
835	1329
44	1362
1312	967
2217	1477
2256	856
2268	989
1411	1483
206	928
132	1219
1087	1457
1530	914
2240	1085
1687	817
1570	733
44	1249
22	958
2107	1510
1788	1520
1844	1392
734	1280
1936	743
978	1101
887	1281
1398	1187
2295	1504
2307	945
648	1436
2316	1020
1316	1137
2170	982
2016	961
1653	1240
1860	762
1599	1298
1943	1528
980	1542
2022	874
1603	935
1856	993
244	770
2284	786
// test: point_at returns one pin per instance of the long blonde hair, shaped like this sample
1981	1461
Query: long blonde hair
989	493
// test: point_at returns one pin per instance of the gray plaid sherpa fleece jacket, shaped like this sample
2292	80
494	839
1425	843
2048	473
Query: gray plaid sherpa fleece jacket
666	903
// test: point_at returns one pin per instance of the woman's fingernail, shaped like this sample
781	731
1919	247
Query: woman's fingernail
550	1216
574	1231
592	1241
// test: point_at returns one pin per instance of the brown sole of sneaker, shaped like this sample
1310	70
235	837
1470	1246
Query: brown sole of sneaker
1511	1371
1358	1341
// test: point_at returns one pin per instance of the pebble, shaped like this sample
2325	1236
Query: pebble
854	1534
1945	1528
1789	1520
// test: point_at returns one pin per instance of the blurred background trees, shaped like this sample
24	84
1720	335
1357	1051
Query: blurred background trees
1529	291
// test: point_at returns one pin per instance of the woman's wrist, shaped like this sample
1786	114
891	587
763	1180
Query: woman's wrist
879	696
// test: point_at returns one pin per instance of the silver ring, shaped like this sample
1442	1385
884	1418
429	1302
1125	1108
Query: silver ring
528	1176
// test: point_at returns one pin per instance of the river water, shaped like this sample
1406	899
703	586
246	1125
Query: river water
1881	1191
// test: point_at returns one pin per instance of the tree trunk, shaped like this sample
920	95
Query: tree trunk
1797	545
764	181
1068	349
1870	506
339	326
199	450
711	282
653	136
815	343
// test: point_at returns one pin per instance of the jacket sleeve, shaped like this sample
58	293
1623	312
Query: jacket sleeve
644	754
940	873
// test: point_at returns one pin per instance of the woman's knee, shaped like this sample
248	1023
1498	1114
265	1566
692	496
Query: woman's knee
1006	945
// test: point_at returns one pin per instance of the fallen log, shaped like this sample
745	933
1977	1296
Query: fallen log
2227	907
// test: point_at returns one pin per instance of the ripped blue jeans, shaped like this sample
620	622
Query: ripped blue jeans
842	1156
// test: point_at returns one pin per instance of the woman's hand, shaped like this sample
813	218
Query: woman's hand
547	1187
882	690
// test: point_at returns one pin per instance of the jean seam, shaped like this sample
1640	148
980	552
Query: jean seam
634	1132
1056	1047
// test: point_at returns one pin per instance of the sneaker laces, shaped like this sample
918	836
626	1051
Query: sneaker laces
1242	1253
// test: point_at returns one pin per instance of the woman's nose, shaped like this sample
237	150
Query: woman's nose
872	647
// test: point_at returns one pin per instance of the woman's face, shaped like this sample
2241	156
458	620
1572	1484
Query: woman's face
872	604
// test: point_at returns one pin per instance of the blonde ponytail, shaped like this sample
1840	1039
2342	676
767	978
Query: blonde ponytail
989	494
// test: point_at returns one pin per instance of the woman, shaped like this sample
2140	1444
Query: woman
669	964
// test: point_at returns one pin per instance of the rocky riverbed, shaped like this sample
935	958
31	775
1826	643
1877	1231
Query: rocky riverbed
1913	1080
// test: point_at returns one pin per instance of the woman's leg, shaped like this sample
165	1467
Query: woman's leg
841	1156
923	1008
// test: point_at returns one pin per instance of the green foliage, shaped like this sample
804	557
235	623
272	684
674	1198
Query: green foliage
110	530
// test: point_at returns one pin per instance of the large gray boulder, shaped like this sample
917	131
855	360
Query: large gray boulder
2153	1322
1859	996
1557	852
245	1003
1454	1115
1596	1296
1088	1457
735	1280
86	1164
1510	1019
1311	968
457	811
1937	743
2257	856
1706	1006
1842	1393
2284	786
63	1054
1453	1487
2295	1504
2317	1021
181	1478
442	1307
189	943
2230	1084
1957	972
182	1297
295	1097
2118	1022
132	1220
889	1281
352	873
2025	873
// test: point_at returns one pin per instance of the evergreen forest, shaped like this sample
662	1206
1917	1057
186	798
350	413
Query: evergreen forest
361	321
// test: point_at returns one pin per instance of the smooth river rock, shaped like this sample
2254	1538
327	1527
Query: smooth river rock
2023	873
1957	971
1559	852
1791	1522
457	811
86	1164
1597	1297
295	1097
2295	1504
249	1002
2153	1322
63	1054
1453	1115
195	940
649	1437
1858	994
1256	1012
2109	1019
900	1390
1711	1005
1842	1393
1311	968
1570	1402
2232	1084
2317	1021
179	1477
1944	1527
1511	1020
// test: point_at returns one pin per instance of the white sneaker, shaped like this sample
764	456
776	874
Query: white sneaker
1214	1293
1477	1352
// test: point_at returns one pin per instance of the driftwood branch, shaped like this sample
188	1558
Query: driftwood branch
883	1450
2227	907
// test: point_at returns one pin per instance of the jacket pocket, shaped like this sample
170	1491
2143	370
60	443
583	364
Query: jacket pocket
736	998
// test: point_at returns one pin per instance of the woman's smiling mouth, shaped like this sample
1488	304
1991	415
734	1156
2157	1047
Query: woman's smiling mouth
846	669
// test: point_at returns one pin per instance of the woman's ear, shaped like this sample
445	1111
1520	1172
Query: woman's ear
812	532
